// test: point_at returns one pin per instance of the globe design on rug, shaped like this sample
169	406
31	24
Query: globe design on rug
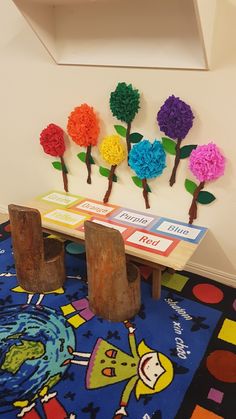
33	347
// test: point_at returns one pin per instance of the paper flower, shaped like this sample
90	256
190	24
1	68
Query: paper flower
113	152
148	160
124	105
175	118
206	163
53	143
83	128
52	140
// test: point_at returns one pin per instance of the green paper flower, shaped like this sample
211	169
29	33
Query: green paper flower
124	102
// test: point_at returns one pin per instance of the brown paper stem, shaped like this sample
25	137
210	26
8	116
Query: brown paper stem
64	174
177	160
193	208
110	181
145	192
127	139
88	164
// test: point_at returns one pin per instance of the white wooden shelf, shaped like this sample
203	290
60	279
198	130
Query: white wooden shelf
126	33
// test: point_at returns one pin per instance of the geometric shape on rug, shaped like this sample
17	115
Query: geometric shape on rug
174	281
201	413
207	293
222	365
215	395
234	304
67	309
76	321
75	248
7	228
228	331
53	236
145	271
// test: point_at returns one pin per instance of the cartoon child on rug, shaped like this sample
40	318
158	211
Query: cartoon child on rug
147	370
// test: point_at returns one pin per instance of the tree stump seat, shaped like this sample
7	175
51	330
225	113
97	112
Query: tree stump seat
113	286
52	247
40	265
132	271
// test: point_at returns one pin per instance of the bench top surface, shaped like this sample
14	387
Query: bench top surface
154	239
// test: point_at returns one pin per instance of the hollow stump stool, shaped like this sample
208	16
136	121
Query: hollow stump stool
113	286
40	265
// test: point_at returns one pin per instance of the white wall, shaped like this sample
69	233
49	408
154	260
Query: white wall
34	91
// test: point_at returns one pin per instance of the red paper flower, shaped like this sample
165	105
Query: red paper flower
83	126
52	140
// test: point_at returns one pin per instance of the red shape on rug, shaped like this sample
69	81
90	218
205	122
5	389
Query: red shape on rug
54	410
7	228
208	293
222	365
145	271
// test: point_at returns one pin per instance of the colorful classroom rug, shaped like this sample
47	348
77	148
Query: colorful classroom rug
175	359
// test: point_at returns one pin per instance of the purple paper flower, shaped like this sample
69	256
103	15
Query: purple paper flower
206	162
175	118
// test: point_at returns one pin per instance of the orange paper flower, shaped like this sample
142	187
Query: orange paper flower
83	126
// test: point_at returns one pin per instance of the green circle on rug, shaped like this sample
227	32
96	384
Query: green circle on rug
75	248
208	293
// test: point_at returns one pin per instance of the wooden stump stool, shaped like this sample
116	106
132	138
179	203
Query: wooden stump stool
39	262
113	285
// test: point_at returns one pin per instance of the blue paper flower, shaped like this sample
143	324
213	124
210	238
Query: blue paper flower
175	118
147	159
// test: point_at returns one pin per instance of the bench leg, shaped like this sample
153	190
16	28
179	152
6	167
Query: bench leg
156	284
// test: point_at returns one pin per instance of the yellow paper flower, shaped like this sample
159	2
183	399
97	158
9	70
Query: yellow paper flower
112	150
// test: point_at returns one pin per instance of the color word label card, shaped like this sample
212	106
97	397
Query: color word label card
120	228
183	231
134	219
95	207
124	230
152	242
59	198
66	218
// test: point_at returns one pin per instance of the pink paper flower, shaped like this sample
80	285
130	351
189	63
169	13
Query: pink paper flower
206	162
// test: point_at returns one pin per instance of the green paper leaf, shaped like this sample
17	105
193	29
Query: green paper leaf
135	137
120	130
82	157
106	172
186	150
190	186
138	182
169	145
205	197
57	165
